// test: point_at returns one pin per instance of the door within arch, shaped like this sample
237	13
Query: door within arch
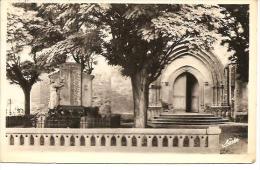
186	93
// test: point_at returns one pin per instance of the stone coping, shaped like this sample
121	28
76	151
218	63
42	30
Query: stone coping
211	130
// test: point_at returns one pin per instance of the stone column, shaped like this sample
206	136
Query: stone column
226	87
214	95
213	138
154	95
27	140
222	102
240	97
232	77
218	93
155	105
87	90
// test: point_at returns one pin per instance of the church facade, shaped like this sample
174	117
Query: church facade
197	81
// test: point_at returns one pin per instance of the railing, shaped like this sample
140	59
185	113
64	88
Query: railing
20	121
221	111
110	121
133	139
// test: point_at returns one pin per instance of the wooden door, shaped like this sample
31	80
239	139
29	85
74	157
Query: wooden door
179	93
192	94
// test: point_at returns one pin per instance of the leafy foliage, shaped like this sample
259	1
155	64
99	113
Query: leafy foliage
71	35
146	36
134	36
20	71
236	32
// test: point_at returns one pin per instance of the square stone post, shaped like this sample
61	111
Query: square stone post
213	133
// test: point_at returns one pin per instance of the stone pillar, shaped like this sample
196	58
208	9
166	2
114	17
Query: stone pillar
240	98
226	87
155	105
87	90
77	140
154	95
16	140
208	94
213	138
232	77
218	94
139	141
222	95
214	95
67	140
180	141
202	96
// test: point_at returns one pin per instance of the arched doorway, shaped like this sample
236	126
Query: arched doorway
186	93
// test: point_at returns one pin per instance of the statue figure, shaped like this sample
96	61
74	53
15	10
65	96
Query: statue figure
55	87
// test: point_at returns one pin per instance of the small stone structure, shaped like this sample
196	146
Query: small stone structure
66	87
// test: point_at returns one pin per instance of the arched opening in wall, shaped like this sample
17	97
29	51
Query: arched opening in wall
186	93
11	140
103	141
31	140
52	141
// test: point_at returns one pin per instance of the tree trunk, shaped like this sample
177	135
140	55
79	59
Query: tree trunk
27	100
140	88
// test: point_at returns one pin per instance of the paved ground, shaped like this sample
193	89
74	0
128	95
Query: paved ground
234	132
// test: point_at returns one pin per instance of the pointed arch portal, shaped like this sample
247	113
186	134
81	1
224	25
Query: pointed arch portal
190	83
186	93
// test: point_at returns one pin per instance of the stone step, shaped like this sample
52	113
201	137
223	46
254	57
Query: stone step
166	119
185	126
190	120
185	123
184	117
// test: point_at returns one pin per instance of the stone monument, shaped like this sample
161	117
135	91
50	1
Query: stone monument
66	87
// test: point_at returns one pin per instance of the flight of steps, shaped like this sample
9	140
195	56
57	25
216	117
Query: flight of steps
185	120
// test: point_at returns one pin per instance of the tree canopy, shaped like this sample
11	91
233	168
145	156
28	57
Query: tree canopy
21	70
146	36
236	32
73	36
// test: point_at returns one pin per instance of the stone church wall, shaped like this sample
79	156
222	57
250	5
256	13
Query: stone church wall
112	93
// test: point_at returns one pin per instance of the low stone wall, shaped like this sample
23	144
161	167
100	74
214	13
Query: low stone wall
134	139
221	111
153	111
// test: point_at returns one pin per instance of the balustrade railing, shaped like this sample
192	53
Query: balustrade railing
175	140
221	111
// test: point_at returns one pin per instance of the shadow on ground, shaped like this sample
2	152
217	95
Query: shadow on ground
232	132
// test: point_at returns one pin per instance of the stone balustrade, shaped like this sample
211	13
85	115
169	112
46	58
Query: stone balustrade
221	111
173	140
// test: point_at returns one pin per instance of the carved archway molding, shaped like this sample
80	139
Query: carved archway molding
213	85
